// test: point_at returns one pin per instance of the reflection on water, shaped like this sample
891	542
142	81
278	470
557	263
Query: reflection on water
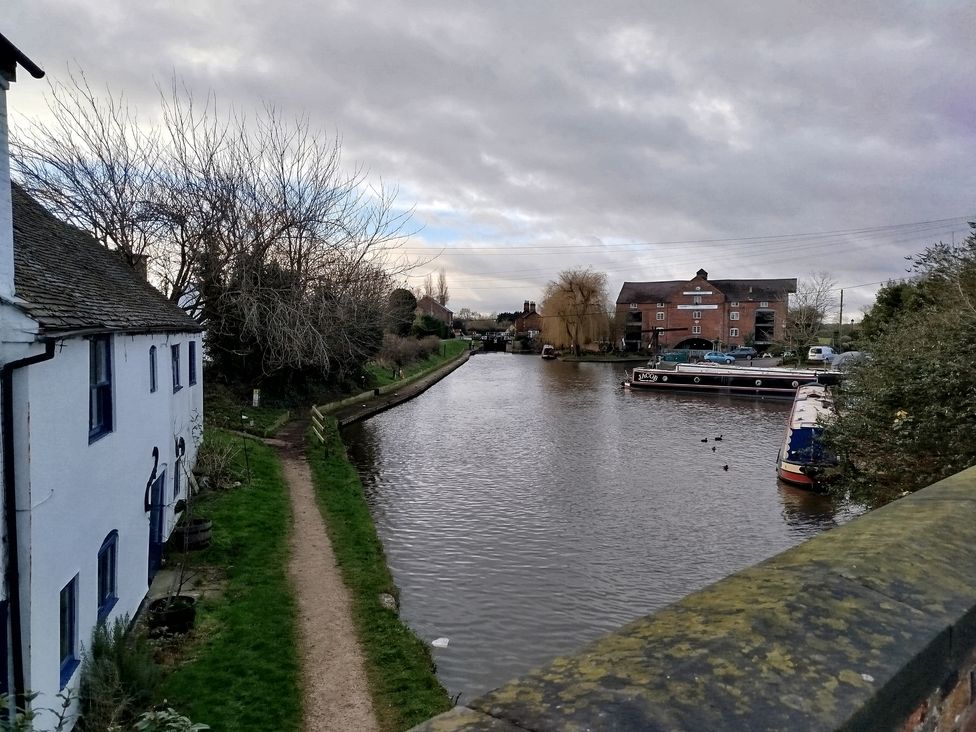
529	506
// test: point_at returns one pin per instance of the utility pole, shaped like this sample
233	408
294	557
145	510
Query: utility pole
840	319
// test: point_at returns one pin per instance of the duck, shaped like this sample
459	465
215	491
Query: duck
718	439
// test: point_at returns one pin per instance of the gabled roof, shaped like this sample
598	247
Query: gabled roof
430	305
732	289
11	57
69	282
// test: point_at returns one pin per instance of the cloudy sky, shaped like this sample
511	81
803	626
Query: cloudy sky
644	139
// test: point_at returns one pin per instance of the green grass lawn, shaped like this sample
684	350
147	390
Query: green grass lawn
223	410
240	669
383	375
399	665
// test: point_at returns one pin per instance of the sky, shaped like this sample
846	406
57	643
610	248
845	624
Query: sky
641	139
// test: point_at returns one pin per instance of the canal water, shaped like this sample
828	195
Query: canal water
528	506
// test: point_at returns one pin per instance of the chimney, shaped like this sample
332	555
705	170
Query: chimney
10	58
531	307
525	306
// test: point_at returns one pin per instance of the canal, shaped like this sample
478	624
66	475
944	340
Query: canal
528	506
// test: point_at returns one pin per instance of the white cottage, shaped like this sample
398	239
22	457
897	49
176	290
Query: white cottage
101	392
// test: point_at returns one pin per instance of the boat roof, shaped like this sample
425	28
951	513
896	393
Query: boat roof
697	368
811	406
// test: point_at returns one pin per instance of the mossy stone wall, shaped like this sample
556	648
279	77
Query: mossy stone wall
870	626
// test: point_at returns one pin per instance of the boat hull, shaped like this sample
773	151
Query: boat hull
730	381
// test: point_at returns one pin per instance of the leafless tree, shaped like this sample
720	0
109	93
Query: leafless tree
809	305
575	307
251	223
442	292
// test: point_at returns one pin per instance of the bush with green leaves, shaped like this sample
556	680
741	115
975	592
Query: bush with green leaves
906	416
167	720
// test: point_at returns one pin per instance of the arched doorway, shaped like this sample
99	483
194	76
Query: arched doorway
694	344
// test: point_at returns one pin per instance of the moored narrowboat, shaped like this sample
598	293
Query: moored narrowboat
803	459
748	381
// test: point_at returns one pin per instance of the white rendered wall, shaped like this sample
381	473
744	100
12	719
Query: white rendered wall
6	215
76	493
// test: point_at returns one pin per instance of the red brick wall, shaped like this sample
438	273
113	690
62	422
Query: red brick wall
950	708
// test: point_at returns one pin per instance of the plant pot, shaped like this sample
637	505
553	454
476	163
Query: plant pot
193	534
174	613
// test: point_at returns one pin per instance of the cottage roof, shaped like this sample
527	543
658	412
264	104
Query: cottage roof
430	305
11	57
69	282
732	289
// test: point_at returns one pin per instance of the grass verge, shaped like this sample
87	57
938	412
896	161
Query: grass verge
228	412
401	674
240	668
449	349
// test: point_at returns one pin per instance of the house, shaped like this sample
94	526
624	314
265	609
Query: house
704	314
102	406
429	306
529	322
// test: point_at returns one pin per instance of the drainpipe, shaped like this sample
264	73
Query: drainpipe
12	574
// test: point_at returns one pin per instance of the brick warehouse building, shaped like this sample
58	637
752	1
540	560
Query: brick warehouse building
709	313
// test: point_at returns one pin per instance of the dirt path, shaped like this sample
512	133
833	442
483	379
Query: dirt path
333	674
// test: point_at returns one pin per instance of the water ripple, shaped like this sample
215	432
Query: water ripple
527	507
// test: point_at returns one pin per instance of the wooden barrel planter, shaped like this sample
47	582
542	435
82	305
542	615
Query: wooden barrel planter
174	614
193	534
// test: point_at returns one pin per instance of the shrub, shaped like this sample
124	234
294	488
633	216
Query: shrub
118	677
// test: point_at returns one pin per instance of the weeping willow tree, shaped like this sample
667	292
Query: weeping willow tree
575	309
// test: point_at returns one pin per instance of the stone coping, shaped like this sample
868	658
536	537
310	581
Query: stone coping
847	631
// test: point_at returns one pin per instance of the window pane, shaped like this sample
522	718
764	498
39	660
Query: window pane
67	621
152	368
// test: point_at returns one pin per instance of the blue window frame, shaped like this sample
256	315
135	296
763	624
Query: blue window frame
99	387
108	557
174	352
191	362
152	369
69	630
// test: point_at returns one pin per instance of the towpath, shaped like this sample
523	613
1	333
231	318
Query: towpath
336	694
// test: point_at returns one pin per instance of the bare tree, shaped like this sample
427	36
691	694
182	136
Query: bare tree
809	305
442	292
575	306
252	224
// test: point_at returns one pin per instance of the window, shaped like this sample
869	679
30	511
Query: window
107	573
99	387
733	332
660	316
764	304
191	358
69	630
696	300
734	316
660	304
152	369
174	352
176	480
734	303
633	306
696	330
696	314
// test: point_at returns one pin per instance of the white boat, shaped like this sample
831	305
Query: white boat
751	381
803	459
548	352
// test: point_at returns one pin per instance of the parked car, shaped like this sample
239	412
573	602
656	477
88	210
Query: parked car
719	357
844	361
821	353
743	352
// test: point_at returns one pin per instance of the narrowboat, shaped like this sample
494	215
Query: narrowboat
748	381
803	460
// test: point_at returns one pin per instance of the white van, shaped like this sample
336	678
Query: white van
821	353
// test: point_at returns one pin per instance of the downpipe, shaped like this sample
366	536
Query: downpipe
12	571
